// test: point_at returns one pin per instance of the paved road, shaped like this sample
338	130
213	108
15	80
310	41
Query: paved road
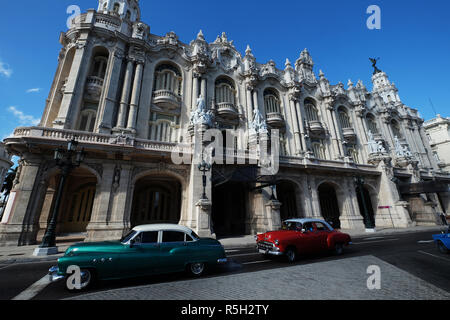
404	256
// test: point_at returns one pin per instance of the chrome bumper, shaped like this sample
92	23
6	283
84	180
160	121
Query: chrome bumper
222	261
274	253
53	274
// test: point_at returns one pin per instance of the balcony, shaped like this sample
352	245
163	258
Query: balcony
94	86
349	134
316	127
275	119
166	99
227	110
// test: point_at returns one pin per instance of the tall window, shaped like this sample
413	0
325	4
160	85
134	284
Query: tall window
353	154
271	101
87	120
116	8
372	124
396	129
162	127
344	119
225	92
99	67
311	111
319	150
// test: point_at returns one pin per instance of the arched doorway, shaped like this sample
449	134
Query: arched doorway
287	194
156	200
329	205
365	206
76	203
229	209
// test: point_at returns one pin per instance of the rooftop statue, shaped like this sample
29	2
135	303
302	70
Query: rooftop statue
374	65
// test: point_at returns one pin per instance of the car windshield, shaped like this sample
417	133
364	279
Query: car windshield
289	225
128	236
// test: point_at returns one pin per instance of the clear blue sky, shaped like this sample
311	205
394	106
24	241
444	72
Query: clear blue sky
413	43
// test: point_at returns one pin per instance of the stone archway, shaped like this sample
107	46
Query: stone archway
76	204
156	199
329	204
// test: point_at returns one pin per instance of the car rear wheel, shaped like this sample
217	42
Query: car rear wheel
442	248
196	269
291	255
338	249
86	279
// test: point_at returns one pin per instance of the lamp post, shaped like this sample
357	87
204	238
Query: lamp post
359	181
204	167
66	160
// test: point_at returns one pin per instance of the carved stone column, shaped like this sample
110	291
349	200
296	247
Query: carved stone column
204	221
135	97
73	94
125	96
273	214
111	85
334	133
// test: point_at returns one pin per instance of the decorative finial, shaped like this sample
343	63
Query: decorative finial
288	63
200	35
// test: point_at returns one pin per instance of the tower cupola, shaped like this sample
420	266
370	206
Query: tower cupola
125	9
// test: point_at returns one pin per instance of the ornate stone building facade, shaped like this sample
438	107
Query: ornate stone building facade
438	132
131	97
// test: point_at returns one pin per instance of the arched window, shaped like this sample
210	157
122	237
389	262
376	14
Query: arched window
271	101
311	111
225	92
344	119
396	129
372	124
168	78
87	120
116	8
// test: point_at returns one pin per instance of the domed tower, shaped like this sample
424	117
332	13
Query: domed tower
125	9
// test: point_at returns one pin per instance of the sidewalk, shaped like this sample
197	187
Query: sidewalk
24	254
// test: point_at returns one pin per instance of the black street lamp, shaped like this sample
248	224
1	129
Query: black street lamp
359	181
66	160
204	167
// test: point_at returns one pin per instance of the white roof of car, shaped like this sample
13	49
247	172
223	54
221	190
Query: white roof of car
304	220
162	226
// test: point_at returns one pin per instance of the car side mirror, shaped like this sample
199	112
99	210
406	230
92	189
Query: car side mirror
304	231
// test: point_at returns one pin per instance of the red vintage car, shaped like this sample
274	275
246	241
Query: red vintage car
298	236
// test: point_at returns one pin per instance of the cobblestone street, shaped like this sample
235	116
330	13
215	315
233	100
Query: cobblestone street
339	279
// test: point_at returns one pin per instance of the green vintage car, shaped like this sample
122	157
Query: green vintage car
145	250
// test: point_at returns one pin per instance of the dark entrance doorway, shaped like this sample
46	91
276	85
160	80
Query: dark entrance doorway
329	205
287	196
365	203
156	200
229	209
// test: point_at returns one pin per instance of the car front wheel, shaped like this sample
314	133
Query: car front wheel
291	255
196	269
338	249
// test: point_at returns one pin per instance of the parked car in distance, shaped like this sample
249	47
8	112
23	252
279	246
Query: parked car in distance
442	240
298	236
145	250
